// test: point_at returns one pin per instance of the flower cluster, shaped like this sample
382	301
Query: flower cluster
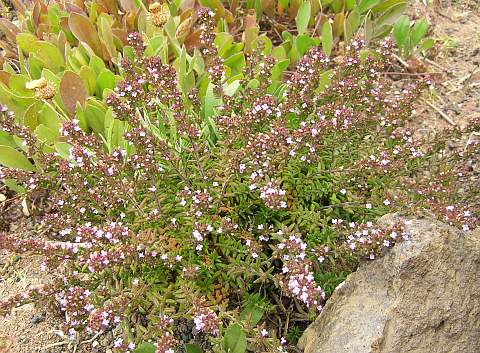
278	181
206	320
273	196
297	272
370	241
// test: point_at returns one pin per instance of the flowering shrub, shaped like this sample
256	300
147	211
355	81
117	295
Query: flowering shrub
206	202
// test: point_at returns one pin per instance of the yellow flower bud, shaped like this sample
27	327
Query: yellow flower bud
43	88
36	84
184	28
159	13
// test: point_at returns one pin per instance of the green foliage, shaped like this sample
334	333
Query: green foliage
139	131
235	339
9	157
294	334
145	348
411	38
303	17
192	348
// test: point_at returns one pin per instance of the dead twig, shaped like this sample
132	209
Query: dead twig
439	111
401	61
433	63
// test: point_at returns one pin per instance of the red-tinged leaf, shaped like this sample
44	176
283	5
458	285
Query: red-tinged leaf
338	26
61	41
37	12
79	3
110	5
187	4
233	6
293	8
5	77
101	9
19	6
251	30
121	34
74	8
250	20
218	7
193	39
64	25
85	31
128	5
268	7
43	30
9	29
7	50
130	19
72	90
229	17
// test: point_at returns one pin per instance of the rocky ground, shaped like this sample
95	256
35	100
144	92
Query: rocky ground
456	26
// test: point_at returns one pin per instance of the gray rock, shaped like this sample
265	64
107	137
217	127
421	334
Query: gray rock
423	296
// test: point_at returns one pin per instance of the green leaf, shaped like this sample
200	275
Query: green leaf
385	5
96	64
94	117
17	84
47	53
236	61
155	45
427	44
192	348
14	102
89	79
327	38
106	79
303	43
279	53
11	158
325	80
145	347
35	66
104	23
419	30
279	68
223	41
46	134
50	55
303	17
351	25
6	139
235	340
337	6
400	34
253	313
63	149
391	15
49	117
350	4
12	185
30	118
366	5
26	42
